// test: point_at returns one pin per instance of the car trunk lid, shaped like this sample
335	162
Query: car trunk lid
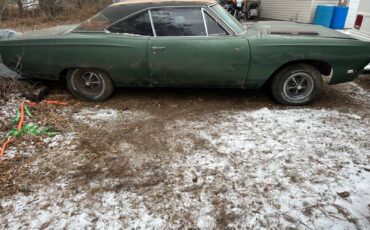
44	33
278	28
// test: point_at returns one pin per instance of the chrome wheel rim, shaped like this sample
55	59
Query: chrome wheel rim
298	86
89	83
92	81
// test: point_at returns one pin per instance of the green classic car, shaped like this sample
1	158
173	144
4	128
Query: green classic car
186	43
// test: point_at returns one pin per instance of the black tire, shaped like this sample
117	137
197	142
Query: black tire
297	84
90	84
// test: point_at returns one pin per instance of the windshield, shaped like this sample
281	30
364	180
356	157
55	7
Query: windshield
95	24
228	19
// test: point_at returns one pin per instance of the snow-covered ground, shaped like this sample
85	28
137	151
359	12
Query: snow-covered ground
246	169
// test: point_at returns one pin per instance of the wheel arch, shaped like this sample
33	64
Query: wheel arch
324	67
64	72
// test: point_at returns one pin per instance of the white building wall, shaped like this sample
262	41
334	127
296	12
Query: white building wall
287	10
292	10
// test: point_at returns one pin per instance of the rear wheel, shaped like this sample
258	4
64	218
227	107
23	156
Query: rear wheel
297	84
90	84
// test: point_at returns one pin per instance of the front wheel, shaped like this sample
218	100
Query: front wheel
90	84
297	84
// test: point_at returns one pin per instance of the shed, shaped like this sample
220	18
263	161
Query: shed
292	10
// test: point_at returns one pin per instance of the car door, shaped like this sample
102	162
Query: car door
127	51
191	48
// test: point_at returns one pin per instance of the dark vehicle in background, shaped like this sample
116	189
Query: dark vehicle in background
234	7
242	9
251	8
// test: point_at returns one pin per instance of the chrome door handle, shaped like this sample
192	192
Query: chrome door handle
155	48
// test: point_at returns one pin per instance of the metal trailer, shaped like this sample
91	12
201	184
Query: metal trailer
362	23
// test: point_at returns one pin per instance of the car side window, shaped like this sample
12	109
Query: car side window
214	28
178	22
138	24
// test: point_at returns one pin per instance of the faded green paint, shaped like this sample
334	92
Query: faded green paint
197	61
242	61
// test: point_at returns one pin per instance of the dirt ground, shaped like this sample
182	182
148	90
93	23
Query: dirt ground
194	158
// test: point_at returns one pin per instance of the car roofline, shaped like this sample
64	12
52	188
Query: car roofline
163	2
223	24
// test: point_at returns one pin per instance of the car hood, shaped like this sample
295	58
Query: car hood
293	29
46	33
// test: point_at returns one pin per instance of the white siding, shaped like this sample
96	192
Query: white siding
352	13
364	6
292	10
364	9
288	10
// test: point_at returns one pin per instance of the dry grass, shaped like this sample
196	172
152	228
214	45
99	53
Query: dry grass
36	19
13	86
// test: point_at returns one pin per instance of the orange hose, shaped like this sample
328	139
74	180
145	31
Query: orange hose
20	124
21	119
3	148
32	104
55	102
48	102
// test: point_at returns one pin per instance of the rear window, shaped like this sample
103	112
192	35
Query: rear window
138	25
95	24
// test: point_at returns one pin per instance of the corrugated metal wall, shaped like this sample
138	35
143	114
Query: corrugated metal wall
292	10
287	10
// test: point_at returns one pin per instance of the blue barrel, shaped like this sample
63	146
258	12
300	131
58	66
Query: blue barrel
324	15
339	17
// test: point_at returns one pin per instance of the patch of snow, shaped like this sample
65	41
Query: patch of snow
64	141
53	208
97	115
13	151
283	168
355	91
262	169
8	110
109	118
358	92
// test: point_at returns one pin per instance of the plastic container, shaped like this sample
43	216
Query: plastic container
339	17
324	15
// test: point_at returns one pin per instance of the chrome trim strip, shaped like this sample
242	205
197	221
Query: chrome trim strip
204	21
151	22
